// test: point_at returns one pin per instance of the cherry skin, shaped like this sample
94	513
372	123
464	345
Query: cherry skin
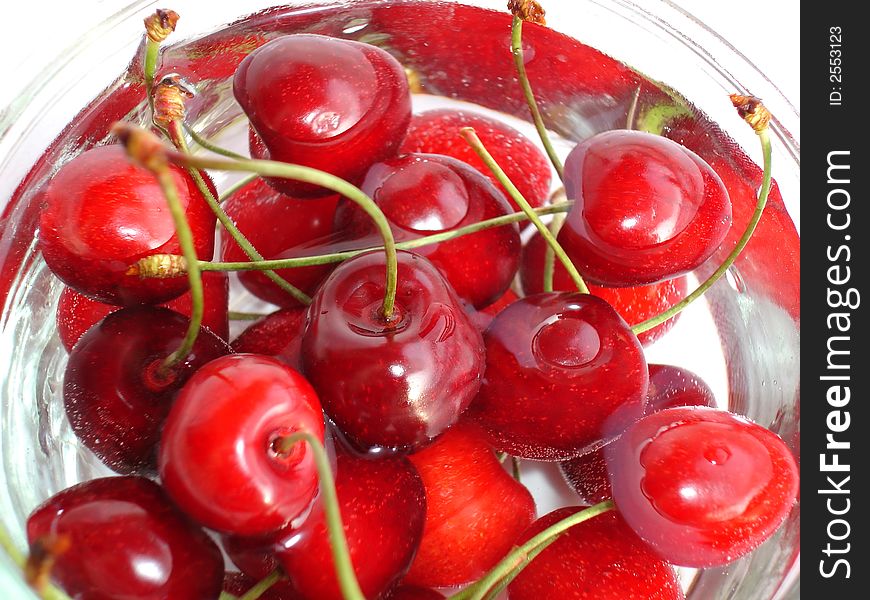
475	509
424	194
634	304
220	457
278	334
278	226
645	209
101	214
114	393
598	559
437	132
322	102
127	540
396	384
572	350
483	317
77	313
701	486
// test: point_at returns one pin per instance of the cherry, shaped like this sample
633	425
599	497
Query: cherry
77	313
669	386
483	317
598	559
221	458
563	374
101	214
127	540
278	226
238	584
114	392
278	334
424	194
645	209
475	509
701	486
393	384
634	304
437	132
323	102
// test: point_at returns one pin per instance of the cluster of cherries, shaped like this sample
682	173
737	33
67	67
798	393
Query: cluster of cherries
413	401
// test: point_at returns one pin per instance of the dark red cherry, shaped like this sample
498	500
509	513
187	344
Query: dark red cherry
278	334
396	384
323	102
599	559
645	209
220	455
564	373
413	592
424	194
475	509
634	304
101	214
483	317
701	486
278	226
76	313
437	132
383	507
114	392
127	540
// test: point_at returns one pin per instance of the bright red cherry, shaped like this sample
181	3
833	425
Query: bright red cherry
127	540
701	486
599	559
76	313
634	304
437	132
114	392
645	209
563	374
475	509
278	334
101	214
220	456
323	102
396	384
279	226
424	194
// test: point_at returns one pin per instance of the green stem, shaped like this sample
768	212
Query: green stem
338	542
236	187
506	580
149	68
516	560
50	592
201	141
234	315
764	137
515	468
474	141
549	255
262	586
322	259
227	596
519	61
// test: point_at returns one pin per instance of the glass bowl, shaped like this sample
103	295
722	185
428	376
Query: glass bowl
743	338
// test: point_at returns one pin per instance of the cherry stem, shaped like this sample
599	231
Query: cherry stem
208	145
269	168
515	468
177	136
49	592
549	255
149	68
632	109
519	61
236	187
764	137
234	315
337	540
262	586
506	580
516	560
471	137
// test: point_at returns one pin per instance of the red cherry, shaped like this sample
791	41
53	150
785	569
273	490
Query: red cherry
598	559
634	304
645	209
77	313
115	396
278	334
323	102
127	540
572	350
278	226
394	385
437	132
701	486
483	317
218	457
101	214
475	509
427	194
